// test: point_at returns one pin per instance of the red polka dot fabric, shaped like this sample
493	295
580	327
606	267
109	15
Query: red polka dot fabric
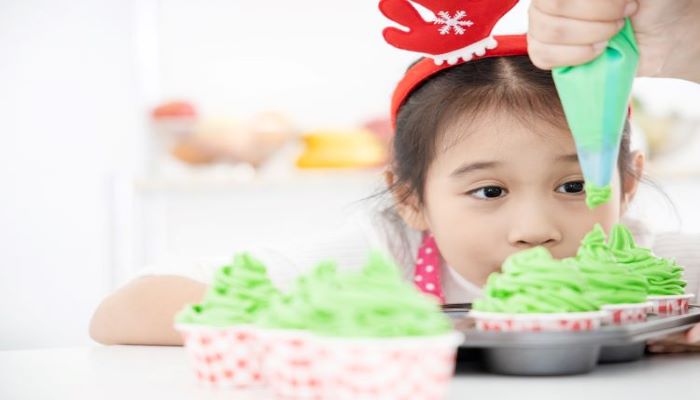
427	272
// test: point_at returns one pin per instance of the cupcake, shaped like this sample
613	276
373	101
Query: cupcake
384	339
616	288
218	334
666	287
294	359
535	292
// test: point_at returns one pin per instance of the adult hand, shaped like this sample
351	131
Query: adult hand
572	32
679	343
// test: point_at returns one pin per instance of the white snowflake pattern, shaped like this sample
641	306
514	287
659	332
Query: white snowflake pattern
450	23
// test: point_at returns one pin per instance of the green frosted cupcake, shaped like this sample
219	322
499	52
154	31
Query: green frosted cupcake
341	329
665	284
532	281
384	329
535	292
224	347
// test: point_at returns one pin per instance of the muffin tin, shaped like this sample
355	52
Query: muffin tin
563	353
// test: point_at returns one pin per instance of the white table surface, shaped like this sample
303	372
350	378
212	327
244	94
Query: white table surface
139	372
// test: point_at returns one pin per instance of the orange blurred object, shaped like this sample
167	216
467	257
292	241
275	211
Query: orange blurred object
234	141
177	109
190	153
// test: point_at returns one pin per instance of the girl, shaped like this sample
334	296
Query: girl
483	165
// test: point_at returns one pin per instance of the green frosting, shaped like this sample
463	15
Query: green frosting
608	281
664	277
377	302
534	282
238	294
306	306
374	302
597	195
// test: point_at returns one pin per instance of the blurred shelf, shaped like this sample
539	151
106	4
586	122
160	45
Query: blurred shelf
220	182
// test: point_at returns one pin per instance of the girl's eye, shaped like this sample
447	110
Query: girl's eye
573	187
488	192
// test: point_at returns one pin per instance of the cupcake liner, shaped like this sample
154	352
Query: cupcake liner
293	364
670	304
622	314
223	356
390	368
536	322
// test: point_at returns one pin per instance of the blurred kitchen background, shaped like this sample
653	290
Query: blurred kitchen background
137	132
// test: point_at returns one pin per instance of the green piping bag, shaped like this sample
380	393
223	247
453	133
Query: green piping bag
595	97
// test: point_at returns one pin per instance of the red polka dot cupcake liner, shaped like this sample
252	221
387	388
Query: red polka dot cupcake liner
224	357
536	322
623	314
670	304
293	364
392	368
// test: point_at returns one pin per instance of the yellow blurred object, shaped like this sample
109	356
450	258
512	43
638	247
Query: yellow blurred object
342	149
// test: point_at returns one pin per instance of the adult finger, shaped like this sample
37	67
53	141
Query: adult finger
588	10
553	29
548	56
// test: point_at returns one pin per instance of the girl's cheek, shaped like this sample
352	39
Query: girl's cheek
581	223
608	215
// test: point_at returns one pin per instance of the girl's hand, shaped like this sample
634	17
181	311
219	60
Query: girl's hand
572	32
684	342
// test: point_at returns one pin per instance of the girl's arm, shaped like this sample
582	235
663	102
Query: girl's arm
142	312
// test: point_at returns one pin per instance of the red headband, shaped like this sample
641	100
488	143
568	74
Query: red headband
511	45
460	32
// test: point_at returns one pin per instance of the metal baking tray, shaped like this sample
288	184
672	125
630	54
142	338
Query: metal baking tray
563	353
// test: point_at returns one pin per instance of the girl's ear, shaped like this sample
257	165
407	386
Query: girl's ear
406	204
631	180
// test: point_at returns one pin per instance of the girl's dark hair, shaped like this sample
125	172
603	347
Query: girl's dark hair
510	84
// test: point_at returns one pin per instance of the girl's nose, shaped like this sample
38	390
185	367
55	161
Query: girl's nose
533	229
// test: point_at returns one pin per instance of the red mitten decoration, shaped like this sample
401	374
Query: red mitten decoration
460	30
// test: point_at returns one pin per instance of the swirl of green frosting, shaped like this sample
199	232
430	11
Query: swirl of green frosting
533	282
664	277
377	302
597	195
239	292
608	281
372	302
305	306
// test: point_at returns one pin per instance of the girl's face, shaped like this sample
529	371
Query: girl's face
501	186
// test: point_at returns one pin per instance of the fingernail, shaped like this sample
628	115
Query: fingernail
631	8
693	335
